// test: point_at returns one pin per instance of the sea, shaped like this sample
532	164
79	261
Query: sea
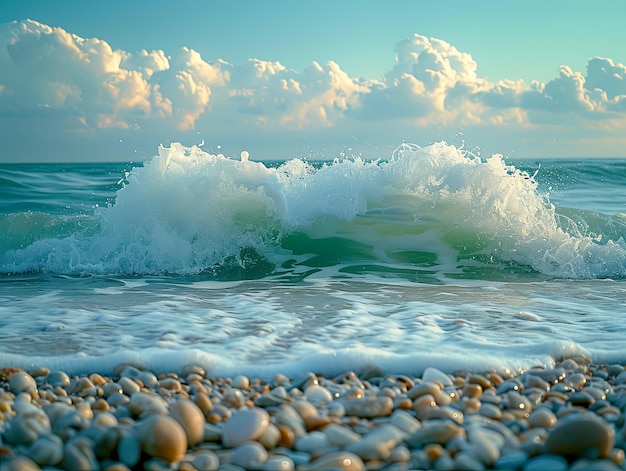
426	257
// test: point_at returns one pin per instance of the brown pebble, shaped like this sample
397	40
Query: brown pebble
581	435
162	437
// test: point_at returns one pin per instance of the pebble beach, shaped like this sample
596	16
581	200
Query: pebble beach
570	416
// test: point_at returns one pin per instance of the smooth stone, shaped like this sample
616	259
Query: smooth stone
24	430
22	382
435	432
143	403
58	379
245	425
431	375
162	437
78	456
206	460
546	462
47	450
581	435
340	435
315	443
490	410
129	449
111	388
240	382
288	416
542	417
377	444
129	387
148	378
368	407
485	444
118	399
316	394
405	421
170	384
444	412
341	460
249	455
105	419
193	369
271	437
191	418
212	433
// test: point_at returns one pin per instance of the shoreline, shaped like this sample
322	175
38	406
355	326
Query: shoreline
568	416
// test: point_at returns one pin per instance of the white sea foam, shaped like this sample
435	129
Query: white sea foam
186	211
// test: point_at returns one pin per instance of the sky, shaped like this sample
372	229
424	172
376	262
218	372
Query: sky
112	80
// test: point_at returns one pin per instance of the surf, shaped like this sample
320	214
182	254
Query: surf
423	213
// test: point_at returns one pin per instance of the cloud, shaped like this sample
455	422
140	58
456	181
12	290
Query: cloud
87	86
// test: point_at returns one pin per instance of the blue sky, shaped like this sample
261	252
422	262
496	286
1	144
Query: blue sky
330	76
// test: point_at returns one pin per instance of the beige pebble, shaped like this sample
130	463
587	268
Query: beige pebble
480	380
444	412
542	417
249	455
144	403
195	369
369	407
491	411
129	387
485	444
241	382
377	444
206	460
405	421
245	425
162	437
234	398
21	382
170	384
271	437
582	434
435	432
191	418
340	435
317	394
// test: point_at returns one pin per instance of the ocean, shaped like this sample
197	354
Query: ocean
430	256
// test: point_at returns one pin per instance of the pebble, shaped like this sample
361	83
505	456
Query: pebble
245	425
21	382
162	437
581	435
567	417
191	418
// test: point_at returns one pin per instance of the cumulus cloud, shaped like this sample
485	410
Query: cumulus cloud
49	71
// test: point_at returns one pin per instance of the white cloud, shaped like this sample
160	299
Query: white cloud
49	72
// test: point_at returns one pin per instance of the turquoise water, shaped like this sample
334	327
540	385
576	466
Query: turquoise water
427	256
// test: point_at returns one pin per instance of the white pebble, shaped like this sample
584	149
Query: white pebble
245	425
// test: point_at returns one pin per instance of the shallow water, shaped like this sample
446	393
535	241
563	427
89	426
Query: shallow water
430	258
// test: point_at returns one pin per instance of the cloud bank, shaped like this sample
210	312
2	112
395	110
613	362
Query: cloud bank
82	85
